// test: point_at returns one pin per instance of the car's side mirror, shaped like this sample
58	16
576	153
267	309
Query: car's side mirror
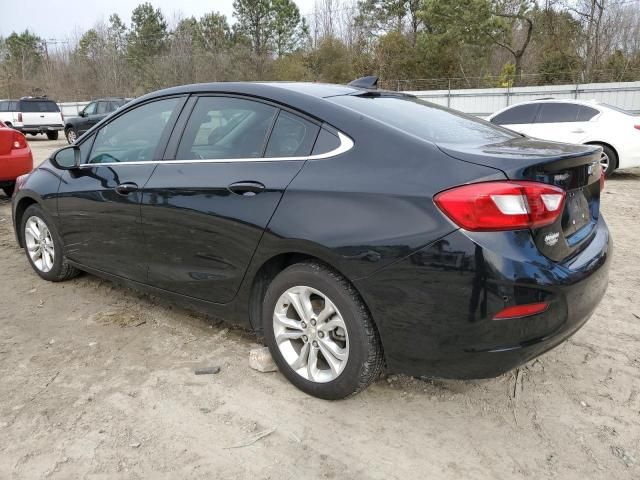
67	158
82	113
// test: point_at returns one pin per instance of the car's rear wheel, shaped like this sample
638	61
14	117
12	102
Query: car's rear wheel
608	160
8	190
319	332
52	135
43	246
71	134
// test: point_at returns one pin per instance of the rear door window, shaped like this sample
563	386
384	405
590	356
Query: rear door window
292	136
4	106
38	106
558	112
103	107
226	127
517	115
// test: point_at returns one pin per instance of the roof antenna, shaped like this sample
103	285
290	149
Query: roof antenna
370	82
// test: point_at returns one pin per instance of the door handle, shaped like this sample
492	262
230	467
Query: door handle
246	189
126	188
577	131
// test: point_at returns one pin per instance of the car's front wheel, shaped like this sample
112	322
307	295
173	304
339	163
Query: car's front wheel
319	332
71	134
43	246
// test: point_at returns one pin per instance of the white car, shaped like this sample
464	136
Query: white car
33	115
578	121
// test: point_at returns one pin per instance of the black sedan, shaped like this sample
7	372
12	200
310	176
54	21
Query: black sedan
354	229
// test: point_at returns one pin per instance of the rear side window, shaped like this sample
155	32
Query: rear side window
558	112
426	120
586	113
292	136
520	114
4	106
326	142
226	127
38	106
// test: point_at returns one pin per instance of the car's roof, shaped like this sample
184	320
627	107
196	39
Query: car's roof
318	90
559	100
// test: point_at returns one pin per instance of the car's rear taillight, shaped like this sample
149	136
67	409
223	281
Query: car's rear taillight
520	311
18	141
504	205
637	127
20	117
62	117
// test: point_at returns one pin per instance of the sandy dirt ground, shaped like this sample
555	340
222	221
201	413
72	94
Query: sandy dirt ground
97	382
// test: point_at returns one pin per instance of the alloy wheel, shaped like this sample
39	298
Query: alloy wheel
604	161
71	136
311	334
39	244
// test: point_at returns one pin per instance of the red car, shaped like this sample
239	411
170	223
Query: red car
15	158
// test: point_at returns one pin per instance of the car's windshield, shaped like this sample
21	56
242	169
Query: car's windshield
426	120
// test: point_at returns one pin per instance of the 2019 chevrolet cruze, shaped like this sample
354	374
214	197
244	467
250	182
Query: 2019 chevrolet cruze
352	228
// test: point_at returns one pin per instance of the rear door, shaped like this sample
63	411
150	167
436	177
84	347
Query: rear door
40	112
564	122
205	208
99	203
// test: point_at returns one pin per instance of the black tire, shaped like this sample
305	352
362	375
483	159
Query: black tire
8	190
61	269
365	358
74	133
613	160
52	135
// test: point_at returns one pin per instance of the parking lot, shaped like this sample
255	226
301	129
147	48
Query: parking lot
98	382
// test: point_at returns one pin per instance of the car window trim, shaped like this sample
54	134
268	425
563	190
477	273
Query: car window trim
346	144
162	142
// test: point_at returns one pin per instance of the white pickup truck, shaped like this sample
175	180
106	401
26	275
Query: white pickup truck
33	115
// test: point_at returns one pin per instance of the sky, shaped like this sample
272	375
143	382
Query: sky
68	19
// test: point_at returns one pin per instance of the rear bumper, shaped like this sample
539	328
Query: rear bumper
39	128
435	308
15	164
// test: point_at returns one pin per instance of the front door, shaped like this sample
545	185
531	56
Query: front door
99	203
205	211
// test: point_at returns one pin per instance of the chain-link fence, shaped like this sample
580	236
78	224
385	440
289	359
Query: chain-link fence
510	81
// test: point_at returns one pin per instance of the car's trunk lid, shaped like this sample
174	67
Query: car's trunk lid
574	168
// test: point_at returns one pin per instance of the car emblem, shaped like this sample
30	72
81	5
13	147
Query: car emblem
551	238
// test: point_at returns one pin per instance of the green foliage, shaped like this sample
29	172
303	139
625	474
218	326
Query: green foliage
410	44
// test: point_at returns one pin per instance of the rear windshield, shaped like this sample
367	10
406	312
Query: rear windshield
618	109
426	120
38	106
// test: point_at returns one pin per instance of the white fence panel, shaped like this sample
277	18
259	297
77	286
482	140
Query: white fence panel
485	101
